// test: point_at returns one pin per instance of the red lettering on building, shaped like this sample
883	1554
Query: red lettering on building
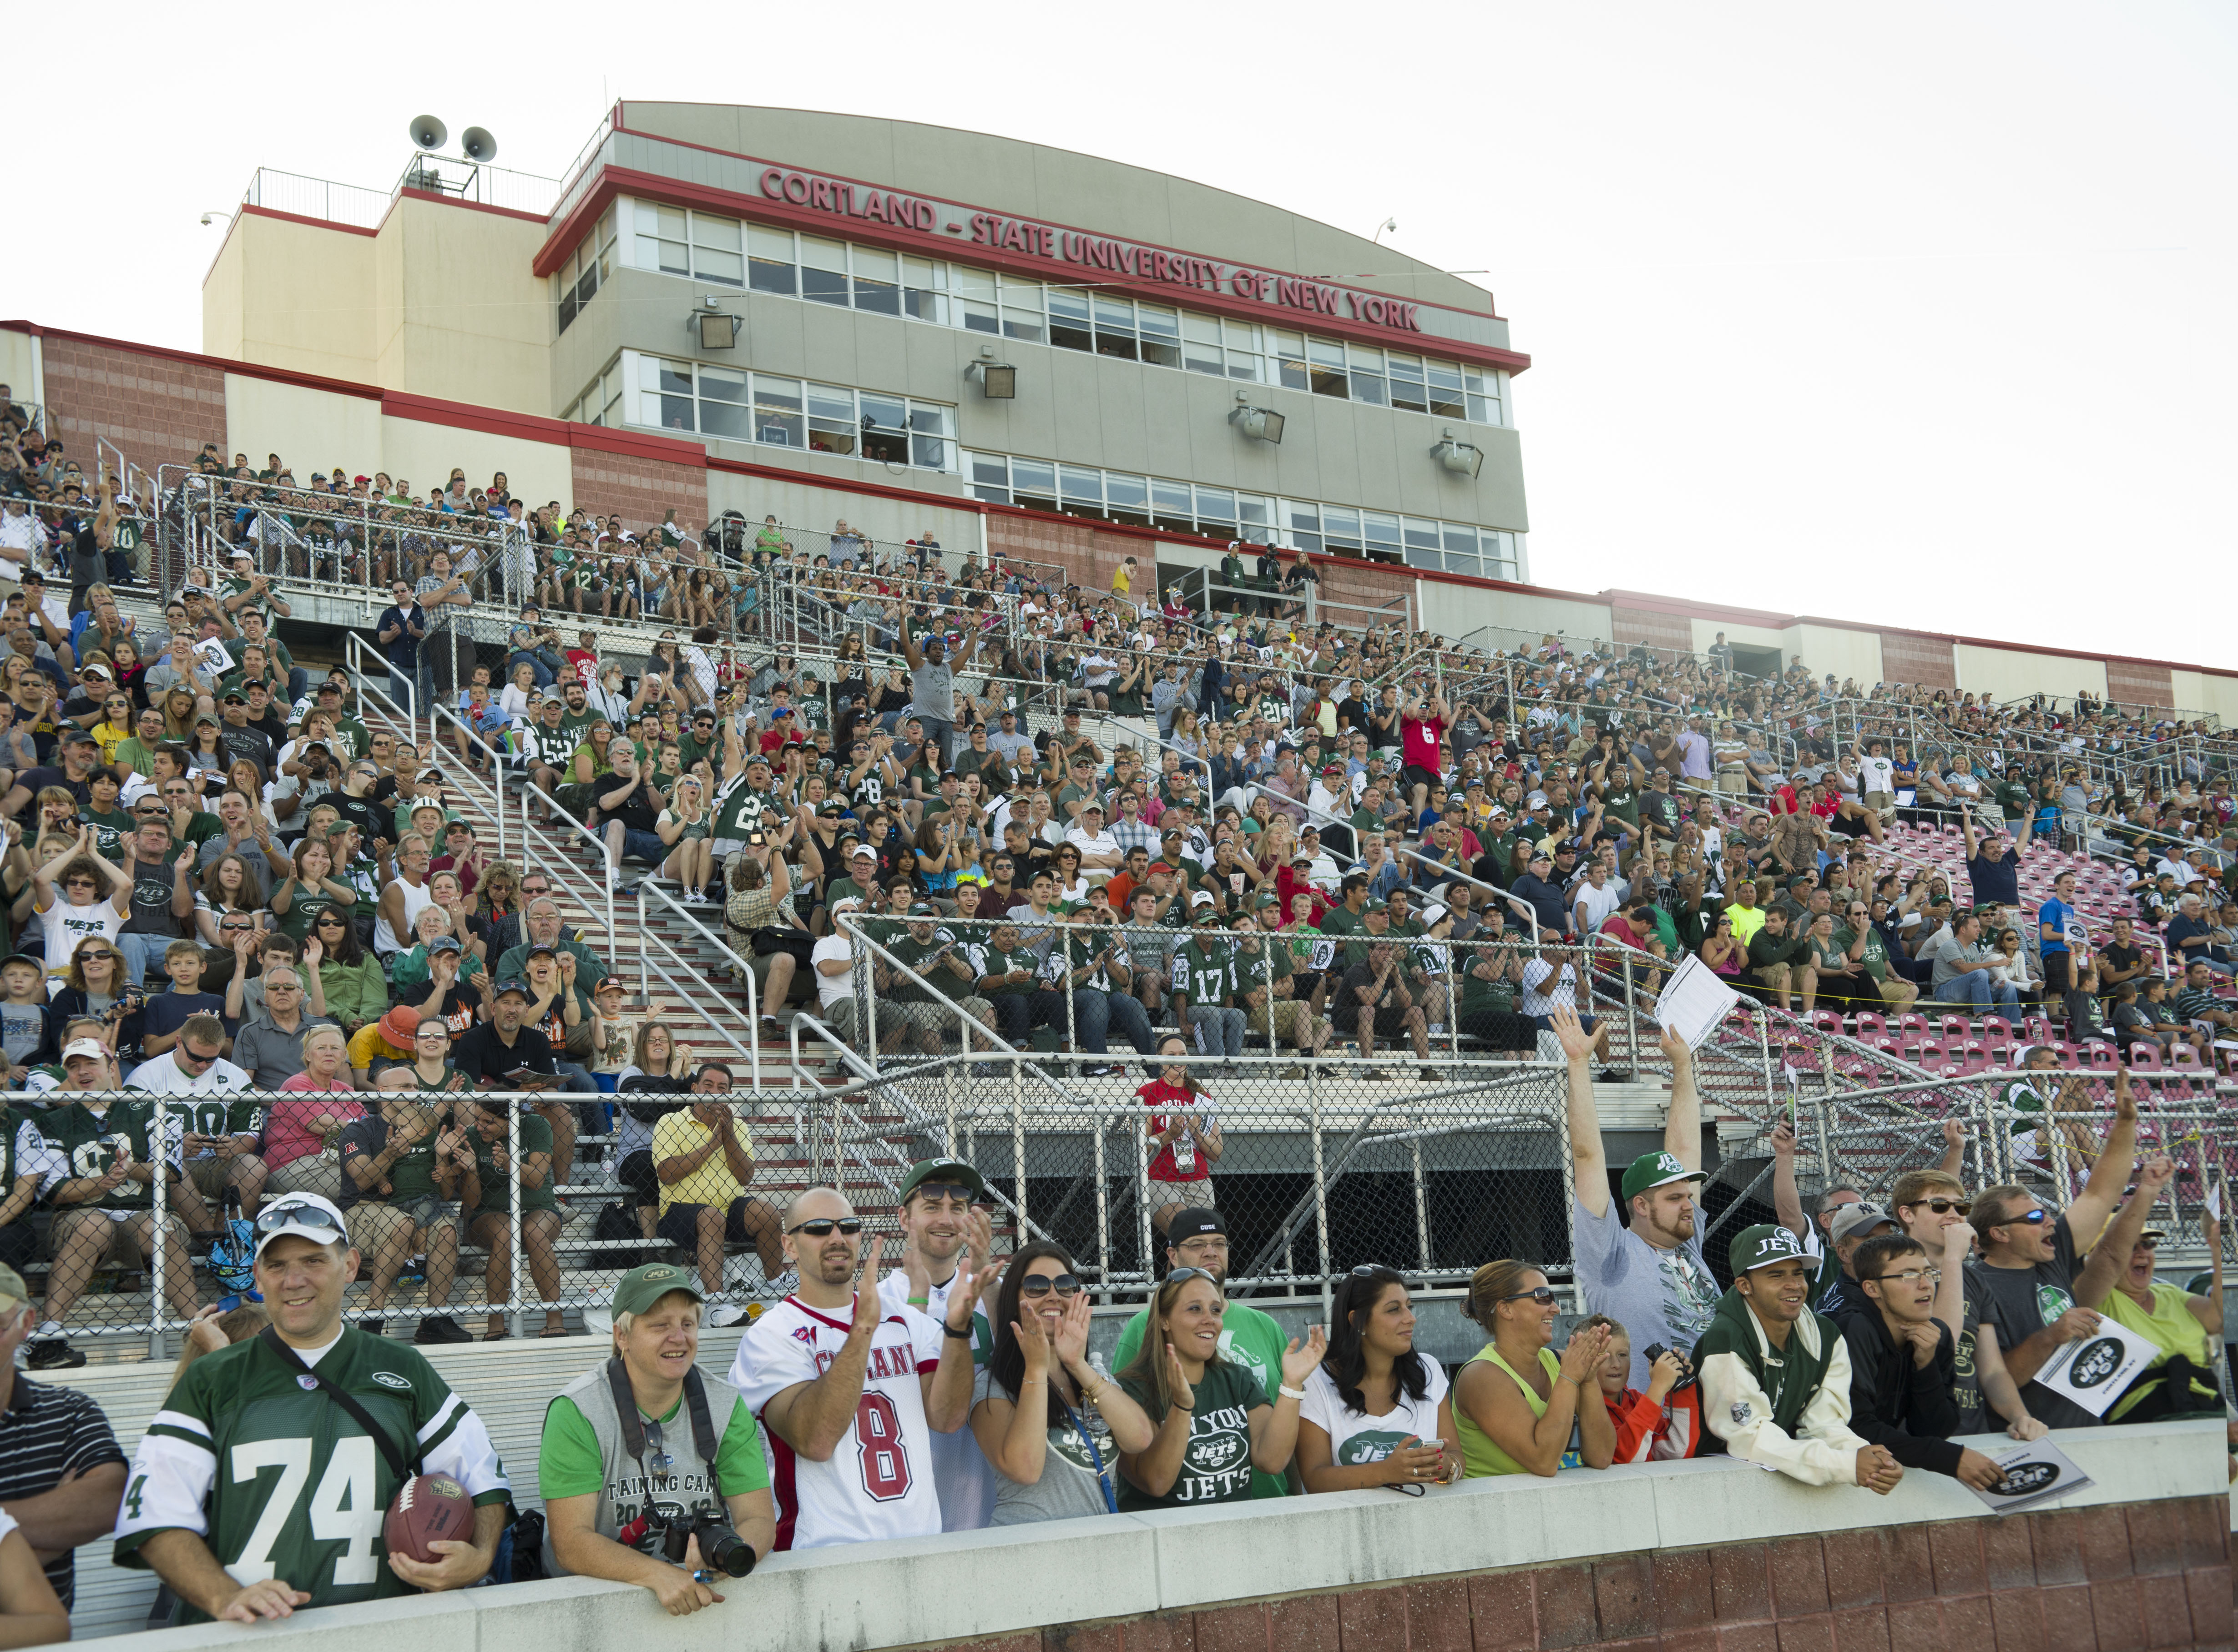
874	208
773	184
796	189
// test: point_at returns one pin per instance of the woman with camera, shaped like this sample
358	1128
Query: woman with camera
672	1492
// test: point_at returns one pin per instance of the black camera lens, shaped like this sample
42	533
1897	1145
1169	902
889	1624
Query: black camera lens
725	1551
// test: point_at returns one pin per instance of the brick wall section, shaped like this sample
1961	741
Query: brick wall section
1656	630
1926	661
2134	684
159	411
2143	1576
641	490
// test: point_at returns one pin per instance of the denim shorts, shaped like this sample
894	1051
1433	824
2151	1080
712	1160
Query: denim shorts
643	846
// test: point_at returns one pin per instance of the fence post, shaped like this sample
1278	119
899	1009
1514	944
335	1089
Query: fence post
1104	1205
1631	1012
159	1151
1321	1187
1414	1126
1018	1144
514	1314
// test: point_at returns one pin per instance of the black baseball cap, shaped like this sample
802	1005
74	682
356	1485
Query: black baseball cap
1193	1223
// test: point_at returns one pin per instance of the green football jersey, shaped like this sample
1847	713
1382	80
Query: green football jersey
281	1482
739	809
87	1143
1205	974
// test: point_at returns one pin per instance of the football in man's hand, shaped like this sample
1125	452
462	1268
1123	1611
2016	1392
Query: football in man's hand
429	1507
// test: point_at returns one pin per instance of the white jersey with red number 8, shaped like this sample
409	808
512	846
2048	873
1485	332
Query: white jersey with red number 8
878	1482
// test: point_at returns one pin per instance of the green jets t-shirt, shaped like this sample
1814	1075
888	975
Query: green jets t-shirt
2013	798
739	809
1621	802
109	831
305	902
574	722
1876	958
281	1482
497	1189
1216	1462
1205	974
1351	930
1249	1341
89	1142
989	961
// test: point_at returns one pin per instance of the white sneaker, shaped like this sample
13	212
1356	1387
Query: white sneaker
724	1314
784	1285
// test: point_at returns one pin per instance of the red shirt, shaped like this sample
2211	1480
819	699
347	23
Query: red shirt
1164	1100
1418	741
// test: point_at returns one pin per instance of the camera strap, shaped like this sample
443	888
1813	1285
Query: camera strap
704	1439
397	1464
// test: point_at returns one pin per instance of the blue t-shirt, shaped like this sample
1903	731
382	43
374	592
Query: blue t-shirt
2055	914
1998	880
166	1012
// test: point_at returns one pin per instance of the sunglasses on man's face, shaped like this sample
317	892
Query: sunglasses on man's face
823	1226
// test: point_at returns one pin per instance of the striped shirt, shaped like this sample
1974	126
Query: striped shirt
45	1433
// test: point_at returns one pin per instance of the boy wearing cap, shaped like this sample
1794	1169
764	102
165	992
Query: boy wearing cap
1650	1277
1775	1376
595	1486
202	1526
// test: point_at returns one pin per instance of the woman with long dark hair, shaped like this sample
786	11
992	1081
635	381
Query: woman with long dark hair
1214	1422
1377	1412
1049	1422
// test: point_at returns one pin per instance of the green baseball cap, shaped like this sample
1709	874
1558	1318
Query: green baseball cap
1653	1170
1762	1245
639	1289
943	1170
1265	901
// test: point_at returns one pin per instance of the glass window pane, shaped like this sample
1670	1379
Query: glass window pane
722	384
1301	516
878	280
824	270
1022	295
1246	365
1069	303
1201	357
1200	329
1241	336
831	426
1480	409
1446	391
669	257
924	272
990	477
885	428
1215	506
1458	537
1117	314
1033	481
768	252
926	304
1129	492
1369	387
1161	334
777	411
1021	324
1289	352
1254	511
725	419
932	431
1069	324
973	283
1080	485
975	317
1407	390
725	269
1474	379
1171	499
722	234
1325	363
1379	530
1340	525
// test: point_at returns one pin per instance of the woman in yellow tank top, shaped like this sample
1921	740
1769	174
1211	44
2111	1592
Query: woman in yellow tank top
1515	1402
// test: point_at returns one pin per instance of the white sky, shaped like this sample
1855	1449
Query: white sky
1907	313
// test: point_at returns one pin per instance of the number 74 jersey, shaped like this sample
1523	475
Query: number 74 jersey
879	1481
281	1482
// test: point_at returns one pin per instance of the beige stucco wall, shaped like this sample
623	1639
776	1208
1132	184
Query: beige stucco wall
1705	632
424	452
294	295
804	505
18	364
2205	691
313	429
2011	673
1837	648
1453	611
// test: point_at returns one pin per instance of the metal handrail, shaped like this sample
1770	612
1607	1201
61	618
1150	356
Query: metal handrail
562	866
437	714
647	892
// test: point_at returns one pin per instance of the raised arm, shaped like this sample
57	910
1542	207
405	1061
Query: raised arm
2095	1204
1682	1127
1588	1159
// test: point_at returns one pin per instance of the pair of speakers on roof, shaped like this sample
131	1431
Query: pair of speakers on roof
475	144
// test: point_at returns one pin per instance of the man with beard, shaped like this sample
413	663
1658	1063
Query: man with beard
1652	1276
942	1227
1198	1239
851	1392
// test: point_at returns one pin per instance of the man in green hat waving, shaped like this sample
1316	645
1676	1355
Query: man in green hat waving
1775	1376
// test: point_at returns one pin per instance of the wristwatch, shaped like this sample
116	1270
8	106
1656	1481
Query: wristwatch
947	1330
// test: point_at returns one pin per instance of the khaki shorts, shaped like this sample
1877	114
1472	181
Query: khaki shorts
1184	1194
211	1174
374	1227
317	1172
1292	1020
120	1245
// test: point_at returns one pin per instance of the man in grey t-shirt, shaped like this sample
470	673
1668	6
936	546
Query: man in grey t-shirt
932	687
1652	1276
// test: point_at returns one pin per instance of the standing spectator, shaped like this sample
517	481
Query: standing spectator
1198	1239
1184	1132
1517	1402
400	629
850	1404
1775	1376
1049	1423
1903	1364
1651	1275
2038	1294
602	1467
201	1530
61	1470
1215	1427
1376	1410
942	1227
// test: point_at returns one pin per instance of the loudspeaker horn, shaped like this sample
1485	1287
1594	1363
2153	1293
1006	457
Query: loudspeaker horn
427	132
476	144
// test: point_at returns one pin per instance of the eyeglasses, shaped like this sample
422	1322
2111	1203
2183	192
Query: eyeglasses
1040	1284
1911	1276
821	1226
1544	1296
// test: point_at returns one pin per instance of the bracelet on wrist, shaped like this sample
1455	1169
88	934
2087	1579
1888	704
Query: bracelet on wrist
1288	1392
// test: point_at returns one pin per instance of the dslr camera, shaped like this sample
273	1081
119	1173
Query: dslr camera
658	1532
1656	1351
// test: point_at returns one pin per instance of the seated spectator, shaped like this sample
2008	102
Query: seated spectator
65	1476
1780	962
1214	1424
269	1045
1650	1425
542	927
351	987
1376	1410
303	1139
704	1449
1052	1425
1797	1420
2182	1326
1904	1364
488	1198
403	1167
703	1156
1516	1401
386	1041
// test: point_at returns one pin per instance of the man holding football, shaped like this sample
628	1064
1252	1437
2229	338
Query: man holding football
258	1490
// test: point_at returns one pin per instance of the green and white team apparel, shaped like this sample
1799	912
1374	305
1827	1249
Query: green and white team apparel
209	1103
739	809
257	1459
84	1142
1205	975
1356	1438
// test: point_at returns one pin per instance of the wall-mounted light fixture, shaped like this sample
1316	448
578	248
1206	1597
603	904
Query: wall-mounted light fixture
998	380
714	327
1463	458
1261	424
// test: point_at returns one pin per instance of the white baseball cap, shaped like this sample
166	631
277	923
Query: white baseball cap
311	1215
92	1046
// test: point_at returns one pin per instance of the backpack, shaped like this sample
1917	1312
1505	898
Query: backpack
617	1227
